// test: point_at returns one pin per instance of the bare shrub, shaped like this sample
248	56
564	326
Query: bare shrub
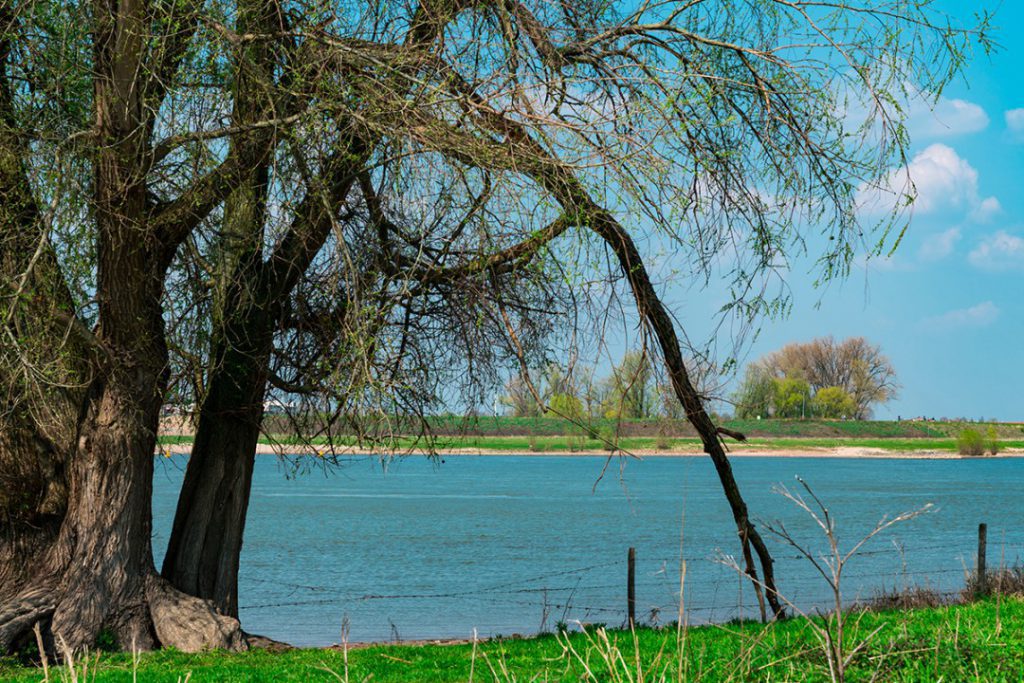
832	629
1002	581
909	597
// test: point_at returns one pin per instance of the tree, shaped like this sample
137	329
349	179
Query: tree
375	203
792	397
567	406
833	402
756	394
631	389
527	393
855	365
518	399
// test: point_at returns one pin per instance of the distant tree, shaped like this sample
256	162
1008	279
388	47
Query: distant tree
669	406
833	402
567	406
591	391
518	398
548	382
792	397
756	394
554	380
855	365
632	394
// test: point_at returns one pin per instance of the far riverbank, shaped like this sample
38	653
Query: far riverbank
760	450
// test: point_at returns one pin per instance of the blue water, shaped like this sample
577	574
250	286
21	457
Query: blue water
514	544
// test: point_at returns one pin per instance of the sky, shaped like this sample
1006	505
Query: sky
948	307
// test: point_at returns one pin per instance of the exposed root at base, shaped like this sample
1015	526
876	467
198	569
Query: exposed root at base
177	620
188	623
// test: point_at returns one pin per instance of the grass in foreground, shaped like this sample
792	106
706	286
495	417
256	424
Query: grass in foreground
981	641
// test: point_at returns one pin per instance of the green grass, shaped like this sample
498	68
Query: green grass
981	641
529	434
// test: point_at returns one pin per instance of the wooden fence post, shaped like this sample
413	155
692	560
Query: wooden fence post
631	587
980	571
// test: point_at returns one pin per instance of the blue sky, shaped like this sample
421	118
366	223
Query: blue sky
948	307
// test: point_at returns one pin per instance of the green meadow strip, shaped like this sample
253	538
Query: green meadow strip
979	641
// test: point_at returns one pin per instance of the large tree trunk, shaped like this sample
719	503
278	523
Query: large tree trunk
98	573
108	580
107	529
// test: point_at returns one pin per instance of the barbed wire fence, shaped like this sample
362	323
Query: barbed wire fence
597	592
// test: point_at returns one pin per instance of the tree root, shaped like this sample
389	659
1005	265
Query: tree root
188	623
177	620
20	614
257	642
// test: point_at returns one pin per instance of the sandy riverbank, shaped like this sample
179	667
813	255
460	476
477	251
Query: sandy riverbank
759	451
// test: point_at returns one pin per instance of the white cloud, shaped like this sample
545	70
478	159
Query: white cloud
948	117
1015	124
938	179
1001	251
940	245
981	315
987	209
925	117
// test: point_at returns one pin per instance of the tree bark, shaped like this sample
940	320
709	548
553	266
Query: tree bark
206	539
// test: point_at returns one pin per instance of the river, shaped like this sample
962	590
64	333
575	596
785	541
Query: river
411	549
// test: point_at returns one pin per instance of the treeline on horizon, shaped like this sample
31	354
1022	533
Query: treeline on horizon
822	378
819	388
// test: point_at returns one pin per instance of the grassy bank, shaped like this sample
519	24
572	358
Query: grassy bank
570	444
545	434
980	641
771	428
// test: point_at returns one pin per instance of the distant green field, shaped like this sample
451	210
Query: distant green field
523	435
554	426
976	642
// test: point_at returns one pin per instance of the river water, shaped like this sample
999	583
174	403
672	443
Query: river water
410	549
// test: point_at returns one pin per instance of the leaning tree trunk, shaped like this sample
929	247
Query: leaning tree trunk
574	198
653	313
203	552
206	539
